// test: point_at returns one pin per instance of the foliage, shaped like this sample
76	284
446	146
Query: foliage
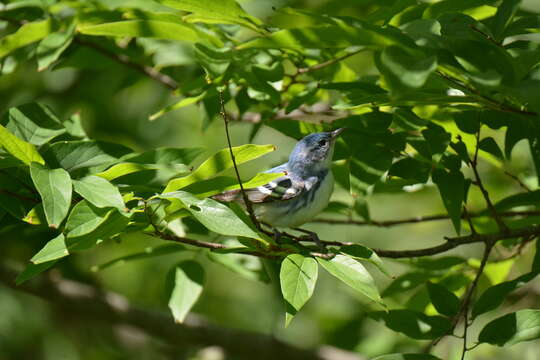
454	92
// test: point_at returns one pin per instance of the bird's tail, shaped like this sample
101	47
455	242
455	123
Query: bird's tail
228	196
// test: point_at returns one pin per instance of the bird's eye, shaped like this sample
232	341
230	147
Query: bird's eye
322	142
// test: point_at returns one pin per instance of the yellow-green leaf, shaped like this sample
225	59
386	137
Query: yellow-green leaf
22	150
218	163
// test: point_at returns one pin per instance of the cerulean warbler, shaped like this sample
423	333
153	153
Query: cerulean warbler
302	192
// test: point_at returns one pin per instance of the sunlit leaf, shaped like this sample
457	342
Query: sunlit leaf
53	250
218	163
99	192
354	274
188	286
25	35
55	188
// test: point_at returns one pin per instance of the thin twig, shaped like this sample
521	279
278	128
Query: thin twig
418	219
327	63
17	196
518	180
469	220
474	165
463	309
148	71
451	243
490	102
247	202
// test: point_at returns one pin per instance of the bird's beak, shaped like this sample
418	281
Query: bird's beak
336	133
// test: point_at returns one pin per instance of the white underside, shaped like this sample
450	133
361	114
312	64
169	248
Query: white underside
275	213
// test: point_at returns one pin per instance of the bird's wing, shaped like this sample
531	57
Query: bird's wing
282	188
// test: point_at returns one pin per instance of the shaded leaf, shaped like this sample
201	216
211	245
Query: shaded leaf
34	123
445	301
414	324
50	48
495	295
31	270
451	186
148	253
407	357
77	155
513	328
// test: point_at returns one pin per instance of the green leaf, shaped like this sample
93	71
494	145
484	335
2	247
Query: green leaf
144	29
188	286
503	17
406	282
78	156
50	48
414	324
361	252
34	123
53	250
55	188
214	215
99	192
20	149
87	224
238	263
148	253
410	168
298	276
495	295
178	105
330	36
490	146
32	270
219	184
25	35
407	357
403	70
215	11
451	186
513	328
218	163
354	274
126	168
445	301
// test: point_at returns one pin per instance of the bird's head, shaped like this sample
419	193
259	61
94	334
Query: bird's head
314	152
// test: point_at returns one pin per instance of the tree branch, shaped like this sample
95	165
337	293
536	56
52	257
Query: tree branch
88	303
488	101
419	219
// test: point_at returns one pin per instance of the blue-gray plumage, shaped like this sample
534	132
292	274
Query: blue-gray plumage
303	191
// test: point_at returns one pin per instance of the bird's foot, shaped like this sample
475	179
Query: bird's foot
313	237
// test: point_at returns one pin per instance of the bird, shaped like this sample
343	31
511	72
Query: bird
302	192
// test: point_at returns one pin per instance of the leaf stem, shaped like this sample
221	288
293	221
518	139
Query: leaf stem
247	202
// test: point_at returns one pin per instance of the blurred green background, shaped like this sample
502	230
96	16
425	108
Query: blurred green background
114	103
